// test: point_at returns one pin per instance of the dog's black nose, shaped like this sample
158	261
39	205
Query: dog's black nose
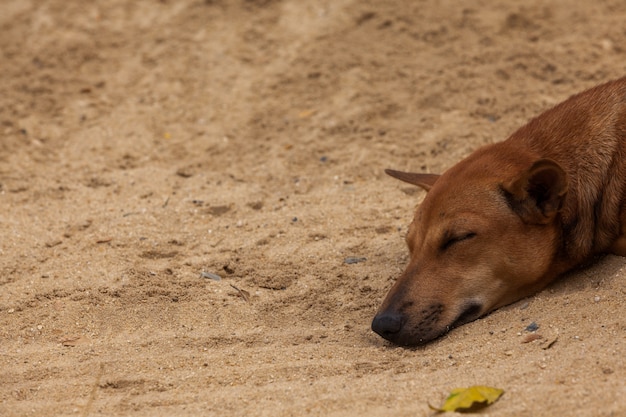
387	324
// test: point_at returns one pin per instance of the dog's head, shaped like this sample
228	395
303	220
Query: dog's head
484	236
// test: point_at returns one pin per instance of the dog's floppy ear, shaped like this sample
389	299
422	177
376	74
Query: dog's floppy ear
425	181
537	194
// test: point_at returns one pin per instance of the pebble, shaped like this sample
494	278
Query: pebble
532	327
596	298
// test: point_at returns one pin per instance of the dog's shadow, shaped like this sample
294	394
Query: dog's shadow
599	275
596	275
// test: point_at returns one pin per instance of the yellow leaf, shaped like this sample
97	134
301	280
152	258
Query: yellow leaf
469	399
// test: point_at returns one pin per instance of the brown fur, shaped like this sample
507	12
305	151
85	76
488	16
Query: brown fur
504	222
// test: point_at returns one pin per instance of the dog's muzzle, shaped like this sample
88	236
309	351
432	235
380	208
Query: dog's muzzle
416	327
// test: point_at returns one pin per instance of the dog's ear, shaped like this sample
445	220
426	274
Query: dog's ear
537	194
425	181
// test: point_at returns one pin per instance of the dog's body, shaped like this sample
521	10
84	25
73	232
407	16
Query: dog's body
504	222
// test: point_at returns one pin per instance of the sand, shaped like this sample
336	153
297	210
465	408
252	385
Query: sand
149	147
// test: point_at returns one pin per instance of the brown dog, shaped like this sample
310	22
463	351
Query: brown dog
504	222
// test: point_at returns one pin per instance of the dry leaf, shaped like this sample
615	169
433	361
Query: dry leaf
469	399
242	293
53	243
73	341
304	114
531	337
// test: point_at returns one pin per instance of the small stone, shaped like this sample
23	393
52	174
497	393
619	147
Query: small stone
532	327
606	44
596	298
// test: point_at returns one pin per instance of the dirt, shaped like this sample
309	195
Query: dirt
149	148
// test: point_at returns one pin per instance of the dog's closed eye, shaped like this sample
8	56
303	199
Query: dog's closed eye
451	239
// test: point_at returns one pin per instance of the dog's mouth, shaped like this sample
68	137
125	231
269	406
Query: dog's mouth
471	312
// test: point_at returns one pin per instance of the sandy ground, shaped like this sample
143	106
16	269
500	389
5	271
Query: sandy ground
148	144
